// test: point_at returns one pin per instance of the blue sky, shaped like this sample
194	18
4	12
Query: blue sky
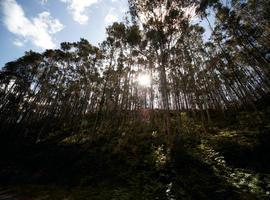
42	24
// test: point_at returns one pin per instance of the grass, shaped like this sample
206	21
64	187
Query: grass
136	163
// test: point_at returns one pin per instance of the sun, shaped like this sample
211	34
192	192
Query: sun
144	80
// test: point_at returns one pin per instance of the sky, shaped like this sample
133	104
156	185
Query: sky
43	24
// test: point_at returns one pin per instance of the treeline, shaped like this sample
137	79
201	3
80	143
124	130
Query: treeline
161	38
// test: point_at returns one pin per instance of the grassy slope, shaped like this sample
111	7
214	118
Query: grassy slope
137	164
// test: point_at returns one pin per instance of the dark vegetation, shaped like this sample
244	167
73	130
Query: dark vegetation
76	124
137	163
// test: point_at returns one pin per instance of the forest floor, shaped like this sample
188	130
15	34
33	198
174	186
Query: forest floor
230	161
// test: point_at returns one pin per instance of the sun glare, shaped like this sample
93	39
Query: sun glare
144	80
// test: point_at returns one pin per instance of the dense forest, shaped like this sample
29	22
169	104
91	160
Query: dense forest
173	104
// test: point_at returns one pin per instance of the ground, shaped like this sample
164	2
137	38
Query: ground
228	161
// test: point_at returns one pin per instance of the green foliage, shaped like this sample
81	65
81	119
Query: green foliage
133	35
250	119
135	162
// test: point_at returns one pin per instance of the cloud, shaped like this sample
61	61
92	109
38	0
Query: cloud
38	30
43	2
78	9
18	43
111	17
122	5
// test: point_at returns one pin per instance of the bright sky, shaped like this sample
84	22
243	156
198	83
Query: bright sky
44	24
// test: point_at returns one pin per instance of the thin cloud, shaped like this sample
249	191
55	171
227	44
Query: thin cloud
122	5
111	17
18	43
78	9
43	2
38	30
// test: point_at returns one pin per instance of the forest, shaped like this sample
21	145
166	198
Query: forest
166	107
